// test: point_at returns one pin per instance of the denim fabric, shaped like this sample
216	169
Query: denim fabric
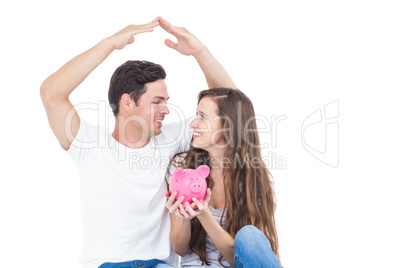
136	264
252	249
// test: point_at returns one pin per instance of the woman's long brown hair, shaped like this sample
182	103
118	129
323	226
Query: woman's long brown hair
249	194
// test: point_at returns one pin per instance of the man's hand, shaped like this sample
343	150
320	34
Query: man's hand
187	43
126	35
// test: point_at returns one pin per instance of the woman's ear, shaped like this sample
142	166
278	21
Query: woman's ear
203	170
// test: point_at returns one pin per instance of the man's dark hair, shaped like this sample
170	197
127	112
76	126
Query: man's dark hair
131	78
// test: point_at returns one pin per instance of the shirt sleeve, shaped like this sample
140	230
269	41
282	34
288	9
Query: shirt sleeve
84	142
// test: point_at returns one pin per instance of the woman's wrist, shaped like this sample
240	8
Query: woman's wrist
203	55
182	220
205	213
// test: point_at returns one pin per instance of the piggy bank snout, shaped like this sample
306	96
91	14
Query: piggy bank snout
196	187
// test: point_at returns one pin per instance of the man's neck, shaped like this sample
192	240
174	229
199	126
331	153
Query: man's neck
130	136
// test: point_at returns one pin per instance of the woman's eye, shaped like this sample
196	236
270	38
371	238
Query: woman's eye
200	115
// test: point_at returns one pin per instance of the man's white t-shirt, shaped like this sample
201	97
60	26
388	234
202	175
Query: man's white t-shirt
122	195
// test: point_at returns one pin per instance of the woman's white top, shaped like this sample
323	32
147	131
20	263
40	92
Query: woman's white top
192	259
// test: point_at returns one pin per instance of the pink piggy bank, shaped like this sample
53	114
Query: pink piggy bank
190	183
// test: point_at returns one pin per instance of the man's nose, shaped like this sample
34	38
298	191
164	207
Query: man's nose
164	110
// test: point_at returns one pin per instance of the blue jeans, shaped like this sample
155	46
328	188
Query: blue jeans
252	249
136	264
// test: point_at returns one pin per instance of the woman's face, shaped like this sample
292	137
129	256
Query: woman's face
207	126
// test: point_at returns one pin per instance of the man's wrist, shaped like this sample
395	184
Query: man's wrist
108	43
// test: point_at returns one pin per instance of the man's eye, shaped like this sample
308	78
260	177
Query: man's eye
156	102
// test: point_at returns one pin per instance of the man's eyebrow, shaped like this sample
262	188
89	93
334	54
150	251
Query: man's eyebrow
161	97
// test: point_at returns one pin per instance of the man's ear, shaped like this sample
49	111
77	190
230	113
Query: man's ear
126	103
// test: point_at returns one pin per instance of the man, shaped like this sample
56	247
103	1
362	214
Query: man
125	223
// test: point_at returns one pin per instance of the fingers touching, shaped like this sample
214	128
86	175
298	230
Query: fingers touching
154	23
167	26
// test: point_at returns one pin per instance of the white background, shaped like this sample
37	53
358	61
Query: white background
290	57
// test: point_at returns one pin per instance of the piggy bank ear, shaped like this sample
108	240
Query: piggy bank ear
203	170
177	173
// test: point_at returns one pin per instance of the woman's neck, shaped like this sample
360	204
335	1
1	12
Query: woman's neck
218	159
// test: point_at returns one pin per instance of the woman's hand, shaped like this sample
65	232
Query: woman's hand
197	208
187	43
175	207
126	35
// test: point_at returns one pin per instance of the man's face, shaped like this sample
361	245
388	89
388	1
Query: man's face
150	110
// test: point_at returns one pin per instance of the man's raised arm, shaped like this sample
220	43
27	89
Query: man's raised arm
55	90
188	44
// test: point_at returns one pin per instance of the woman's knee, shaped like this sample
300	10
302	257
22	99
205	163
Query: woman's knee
245	235
249	238
246	232
252	246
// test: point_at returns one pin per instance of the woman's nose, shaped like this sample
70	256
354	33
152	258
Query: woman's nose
194	123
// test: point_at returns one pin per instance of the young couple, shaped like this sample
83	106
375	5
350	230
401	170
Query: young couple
124	215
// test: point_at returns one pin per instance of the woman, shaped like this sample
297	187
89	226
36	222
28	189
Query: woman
236	225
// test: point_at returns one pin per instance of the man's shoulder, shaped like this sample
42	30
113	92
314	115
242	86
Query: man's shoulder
89	135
